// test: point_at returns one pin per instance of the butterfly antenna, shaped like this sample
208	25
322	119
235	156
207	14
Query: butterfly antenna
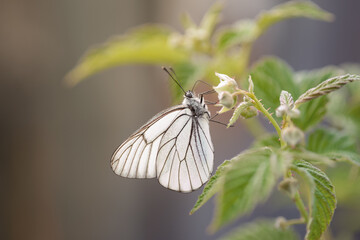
173	71
172	77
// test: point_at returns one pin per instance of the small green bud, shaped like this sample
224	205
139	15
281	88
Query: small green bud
249	112
292	135
227	84
280	223
246	110
226	100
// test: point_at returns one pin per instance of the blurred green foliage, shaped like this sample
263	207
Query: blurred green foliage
262	229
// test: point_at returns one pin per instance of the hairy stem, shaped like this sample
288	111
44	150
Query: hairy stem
301	206
299	202
295	221
262	109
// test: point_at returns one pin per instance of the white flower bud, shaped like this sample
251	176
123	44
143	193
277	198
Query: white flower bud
286	99
292	135
280	223
287	106
226	100
281	110
227	84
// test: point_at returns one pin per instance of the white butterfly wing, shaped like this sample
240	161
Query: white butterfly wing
186	156
173	146
136	157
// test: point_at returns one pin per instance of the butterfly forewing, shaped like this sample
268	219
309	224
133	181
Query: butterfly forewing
174	146
135	160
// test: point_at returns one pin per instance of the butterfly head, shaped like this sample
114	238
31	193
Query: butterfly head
195	104
189	94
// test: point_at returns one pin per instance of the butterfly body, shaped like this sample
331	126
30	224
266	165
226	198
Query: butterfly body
196	105
174	146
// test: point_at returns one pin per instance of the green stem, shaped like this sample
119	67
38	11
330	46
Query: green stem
295	221
301	207
261	108
299	202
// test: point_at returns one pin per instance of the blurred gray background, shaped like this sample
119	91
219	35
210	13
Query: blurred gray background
56	142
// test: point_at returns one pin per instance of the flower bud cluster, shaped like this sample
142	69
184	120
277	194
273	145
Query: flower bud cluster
226	92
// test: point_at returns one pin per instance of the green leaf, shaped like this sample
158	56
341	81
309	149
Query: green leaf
312	112
243	106
292	9
212	187
270	76
323	200
308	79
345	179
336	145
311	157
247	31
147	44
227	64
348	156
187	21
244	31
187	73
247	181
261	230
326	87
211	18
344	105
267	141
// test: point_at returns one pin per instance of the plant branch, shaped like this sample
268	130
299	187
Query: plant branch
301	207
299	202
262	109
295	221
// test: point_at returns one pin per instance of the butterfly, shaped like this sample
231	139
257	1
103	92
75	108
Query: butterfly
174	146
